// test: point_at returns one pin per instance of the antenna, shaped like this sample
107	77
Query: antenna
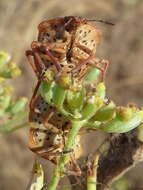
102	21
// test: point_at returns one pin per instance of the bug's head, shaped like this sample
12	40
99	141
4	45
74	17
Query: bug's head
51	30
54	29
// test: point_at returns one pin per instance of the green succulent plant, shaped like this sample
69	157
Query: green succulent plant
10	107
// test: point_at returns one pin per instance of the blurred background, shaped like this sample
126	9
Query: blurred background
121	44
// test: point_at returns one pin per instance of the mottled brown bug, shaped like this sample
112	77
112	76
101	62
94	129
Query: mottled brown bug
48	132
66	46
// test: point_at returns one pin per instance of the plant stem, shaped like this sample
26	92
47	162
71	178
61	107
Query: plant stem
60	168
8	127
17	127
92	175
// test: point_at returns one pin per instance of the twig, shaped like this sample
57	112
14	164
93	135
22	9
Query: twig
124	152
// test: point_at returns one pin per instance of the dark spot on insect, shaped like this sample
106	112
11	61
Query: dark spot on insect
40	140
36	135
92	40
48	138
84	41
51	64
39	122
60	115
89	31
45	131
37	129
50	107
67	122
80	31
68	72
70	66
47	34
55	39
94	45
35	119
62	65
58	139
50	133
55	26
45	109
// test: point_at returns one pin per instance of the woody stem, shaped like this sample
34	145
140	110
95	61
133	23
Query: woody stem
60	168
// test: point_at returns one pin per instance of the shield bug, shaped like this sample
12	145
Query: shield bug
48	132
66	47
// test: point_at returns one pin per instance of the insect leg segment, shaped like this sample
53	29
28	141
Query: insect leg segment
106	63
53	60
29	55
46	49
91	56
58	153
86	50
76	169
32	102
39	62
37	65
102	69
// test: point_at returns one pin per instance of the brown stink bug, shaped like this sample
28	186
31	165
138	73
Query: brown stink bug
48	132
67	47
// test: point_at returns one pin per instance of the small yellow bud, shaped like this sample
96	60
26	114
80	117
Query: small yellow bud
98	101
23	99
101	86
4	58
12	65
125	113
2	79
8	90
49	75
16	72
65	81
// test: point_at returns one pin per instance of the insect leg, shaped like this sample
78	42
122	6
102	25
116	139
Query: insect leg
54	60
46	48
106	63
102	69
88	51
51	153
91	56
77	170
29	54
34	95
